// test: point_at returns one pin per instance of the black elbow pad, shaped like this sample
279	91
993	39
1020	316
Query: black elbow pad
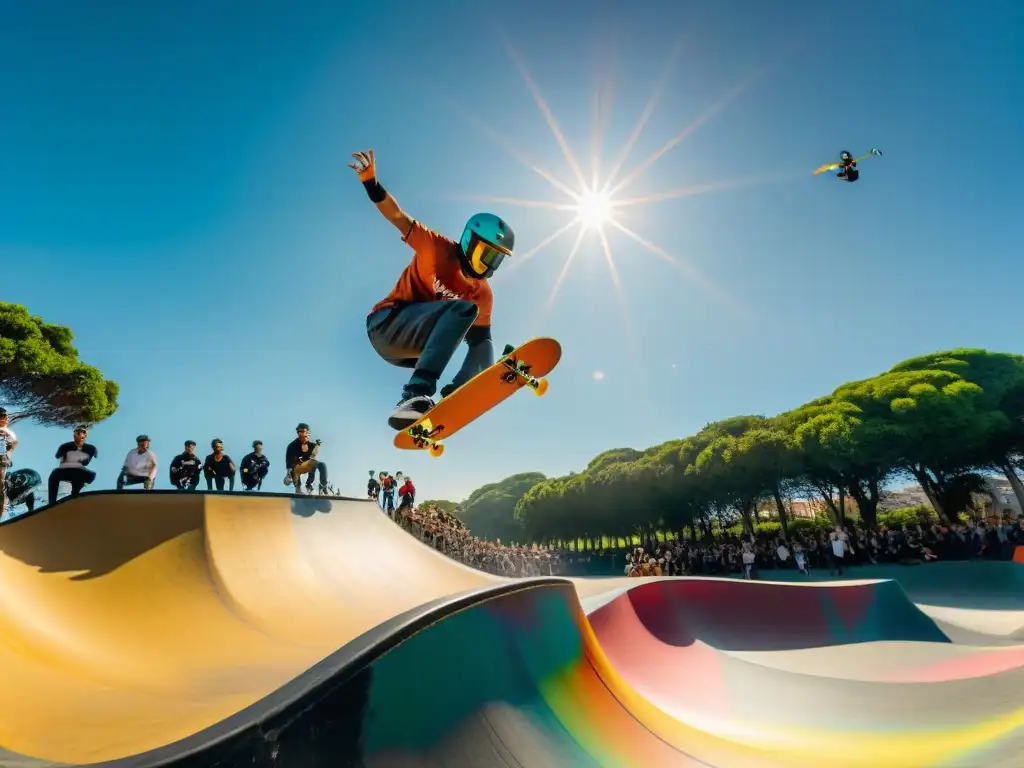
478	334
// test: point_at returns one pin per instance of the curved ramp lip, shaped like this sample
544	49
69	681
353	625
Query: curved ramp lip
272	714
143	495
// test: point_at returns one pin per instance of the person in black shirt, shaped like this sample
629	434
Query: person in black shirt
373	487
74	457
186	468
255	467
218	467
20	487
300	459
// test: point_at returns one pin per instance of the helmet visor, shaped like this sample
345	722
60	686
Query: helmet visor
484	257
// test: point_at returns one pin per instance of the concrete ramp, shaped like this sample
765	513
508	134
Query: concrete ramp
165	628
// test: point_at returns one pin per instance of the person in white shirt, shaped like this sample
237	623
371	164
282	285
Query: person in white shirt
838	541
8	442
139	466
74	457
749	558
782	551
801	559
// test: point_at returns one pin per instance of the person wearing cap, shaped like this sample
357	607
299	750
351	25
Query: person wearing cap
219	467
139	466
8	442
406	494
186	468
300	459
255	467
74	457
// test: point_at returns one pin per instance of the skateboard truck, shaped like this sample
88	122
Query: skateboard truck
424	436
518	370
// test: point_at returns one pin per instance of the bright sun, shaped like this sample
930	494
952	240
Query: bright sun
593	209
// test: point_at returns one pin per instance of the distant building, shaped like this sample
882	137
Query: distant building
805	509
908	496
1001	498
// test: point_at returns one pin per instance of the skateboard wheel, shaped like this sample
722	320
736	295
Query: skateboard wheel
436	450
542	388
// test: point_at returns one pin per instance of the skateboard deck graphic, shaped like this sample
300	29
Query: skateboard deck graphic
524	366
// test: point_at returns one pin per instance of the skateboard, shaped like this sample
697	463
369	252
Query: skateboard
523	366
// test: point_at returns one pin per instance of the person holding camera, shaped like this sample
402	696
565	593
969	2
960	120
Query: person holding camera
300	459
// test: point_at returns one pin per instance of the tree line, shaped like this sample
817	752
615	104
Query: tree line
944	420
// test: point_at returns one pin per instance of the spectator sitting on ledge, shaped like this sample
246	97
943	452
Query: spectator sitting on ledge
255	467
74	457
218	467
139	466
300	459
186	469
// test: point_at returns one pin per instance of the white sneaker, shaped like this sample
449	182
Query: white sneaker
409	411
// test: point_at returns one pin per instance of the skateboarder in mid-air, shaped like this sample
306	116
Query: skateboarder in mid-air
441	299
847	167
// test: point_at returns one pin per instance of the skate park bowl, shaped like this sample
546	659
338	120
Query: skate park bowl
197	629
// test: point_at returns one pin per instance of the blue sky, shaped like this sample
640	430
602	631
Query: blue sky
174	188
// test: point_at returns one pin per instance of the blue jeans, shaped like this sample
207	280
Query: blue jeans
424	337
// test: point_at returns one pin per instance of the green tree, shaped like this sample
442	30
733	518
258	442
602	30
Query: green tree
841	453
41	377
727	481
769	457
931	424
490	510
1001	378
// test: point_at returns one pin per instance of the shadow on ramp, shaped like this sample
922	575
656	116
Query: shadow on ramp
733	615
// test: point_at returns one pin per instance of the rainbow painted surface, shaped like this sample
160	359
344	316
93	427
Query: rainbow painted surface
196	629
650	677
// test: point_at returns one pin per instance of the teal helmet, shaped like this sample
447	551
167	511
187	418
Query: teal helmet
486	241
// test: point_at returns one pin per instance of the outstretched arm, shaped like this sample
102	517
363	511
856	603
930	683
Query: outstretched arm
366	167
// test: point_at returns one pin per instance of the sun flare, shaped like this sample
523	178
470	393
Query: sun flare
598	206
593	209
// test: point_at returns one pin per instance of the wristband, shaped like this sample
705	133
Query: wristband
375	191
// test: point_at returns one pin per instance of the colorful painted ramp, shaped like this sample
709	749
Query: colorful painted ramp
163	628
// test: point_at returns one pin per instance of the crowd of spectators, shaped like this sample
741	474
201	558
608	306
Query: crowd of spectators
831	551
140	467
450	536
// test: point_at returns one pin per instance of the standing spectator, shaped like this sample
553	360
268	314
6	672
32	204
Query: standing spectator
8	442
218	467
801	559
300	459
373	488
406	495
186	469
139	466
749	558
387	493
255	467
74	457
838	541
